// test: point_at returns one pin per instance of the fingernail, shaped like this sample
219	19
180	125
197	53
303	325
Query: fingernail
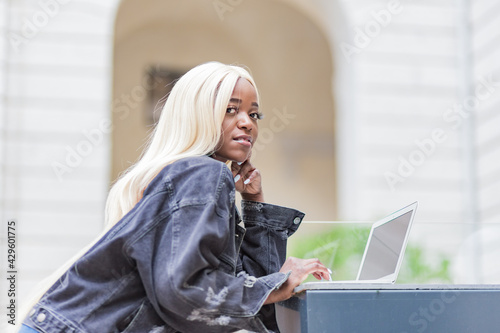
246	181
236	178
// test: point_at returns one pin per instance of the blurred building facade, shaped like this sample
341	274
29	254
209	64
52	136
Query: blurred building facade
369	105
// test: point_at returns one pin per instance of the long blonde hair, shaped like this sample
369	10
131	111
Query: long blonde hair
190	125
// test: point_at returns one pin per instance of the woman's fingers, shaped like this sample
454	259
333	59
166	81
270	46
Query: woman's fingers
242	169
247	180
299	270
253	175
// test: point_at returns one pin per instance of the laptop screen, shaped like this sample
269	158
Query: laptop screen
386	242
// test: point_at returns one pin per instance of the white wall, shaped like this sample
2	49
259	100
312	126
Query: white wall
486	43
408	64
403	56
55	83
486	115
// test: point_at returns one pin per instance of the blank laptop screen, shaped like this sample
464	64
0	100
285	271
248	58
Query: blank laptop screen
382	253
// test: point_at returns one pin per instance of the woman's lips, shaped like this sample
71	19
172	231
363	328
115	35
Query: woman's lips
244	140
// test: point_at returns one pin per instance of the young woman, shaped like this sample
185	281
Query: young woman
174	256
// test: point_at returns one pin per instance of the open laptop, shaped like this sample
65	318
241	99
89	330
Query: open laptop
384	251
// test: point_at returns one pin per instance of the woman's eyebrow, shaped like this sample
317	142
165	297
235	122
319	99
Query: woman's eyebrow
239	101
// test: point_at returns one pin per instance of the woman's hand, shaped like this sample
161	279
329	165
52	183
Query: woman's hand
248	181
300	270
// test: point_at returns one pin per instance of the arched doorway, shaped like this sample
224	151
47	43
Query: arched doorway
289	58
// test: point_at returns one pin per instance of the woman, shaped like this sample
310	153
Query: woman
174	257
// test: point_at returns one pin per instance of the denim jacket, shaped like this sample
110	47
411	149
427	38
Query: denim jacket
177	262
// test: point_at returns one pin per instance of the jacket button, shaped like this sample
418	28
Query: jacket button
41	317
296	220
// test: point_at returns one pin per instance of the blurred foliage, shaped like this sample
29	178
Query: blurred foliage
417	269
341	249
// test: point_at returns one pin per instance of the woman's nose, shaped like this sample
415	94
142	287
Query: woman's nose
244	121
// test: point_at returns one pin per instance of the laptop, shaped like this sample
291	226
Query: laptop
384	251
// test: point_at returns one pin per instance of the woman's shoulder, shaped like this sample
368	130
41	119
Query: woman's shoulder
198	171
198	161
195	165
197	177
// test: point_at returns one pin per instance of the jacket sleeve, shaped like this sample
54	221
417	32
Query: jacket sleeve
263	250
267	230
182	276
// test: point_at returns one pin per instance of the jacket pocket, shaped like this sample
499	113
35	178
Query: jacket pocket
127	323
227	264
229	258
144	320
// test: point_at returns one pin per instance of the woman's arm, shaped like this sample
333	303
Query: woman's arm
263	250
179	259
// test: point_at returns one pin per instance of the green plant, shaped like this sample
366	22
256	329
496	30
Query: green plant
341	249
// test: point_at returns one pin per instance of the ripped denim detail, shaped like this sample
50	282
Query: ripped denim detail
197	315
249	280
216	299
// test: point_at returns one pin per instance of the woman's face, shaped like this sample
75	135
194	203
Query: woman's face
239	127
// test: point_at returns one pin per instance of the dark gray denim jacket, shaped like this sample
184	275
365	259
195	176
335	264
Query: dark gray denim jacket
178	261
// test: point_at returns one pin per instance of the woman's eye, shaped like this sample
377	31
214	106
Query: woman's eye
231	109
257	115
